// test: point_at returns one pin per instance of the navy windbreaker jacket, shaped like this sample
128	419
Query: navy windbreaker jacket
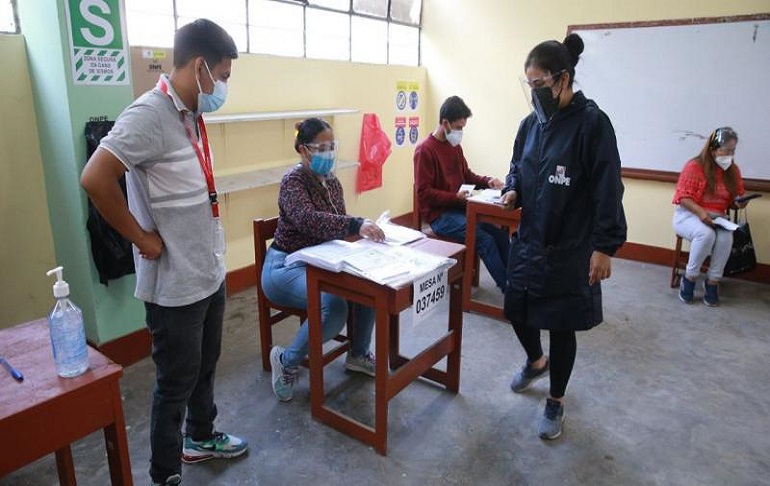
566	174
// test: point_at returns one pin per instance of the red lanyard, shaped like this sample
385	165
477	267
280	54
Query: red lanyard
204	157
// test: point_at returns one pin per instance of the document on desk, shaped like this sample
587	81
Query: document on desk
394	266
487	196
329	255
399	235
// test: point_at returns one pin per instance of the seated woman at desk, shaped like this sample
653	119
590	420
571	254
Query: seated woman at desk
707	187
312	211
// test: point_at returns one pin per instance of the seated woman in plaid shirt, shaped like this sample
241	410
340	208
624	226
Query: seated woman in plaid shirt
707	187
312	211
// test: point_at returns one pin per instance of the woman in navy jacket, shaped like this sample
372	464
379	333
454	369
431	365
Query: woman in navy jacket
565	175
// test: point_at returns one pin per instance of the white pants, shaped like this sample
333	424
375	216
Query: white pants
704	241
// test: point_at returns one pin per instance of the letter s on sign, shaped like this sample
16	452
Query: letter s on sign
109	33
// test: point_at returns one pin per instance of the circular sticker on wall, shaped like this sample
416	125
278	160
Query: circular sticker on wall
400	135
413	100
401	100
414	132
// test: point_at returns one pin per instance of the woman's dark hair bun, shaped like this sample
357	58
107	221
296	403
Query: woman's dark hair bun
575	46
298	125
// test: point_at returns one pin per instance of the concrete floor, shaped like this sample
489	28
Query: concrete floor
662	394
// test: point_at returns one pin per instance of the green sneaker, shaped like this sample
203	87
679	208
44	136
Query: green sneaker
220	445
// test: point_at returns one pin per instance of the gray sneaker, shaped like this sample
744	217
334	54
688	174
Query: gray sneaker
283	377
361	364
550	424
173	480
528	375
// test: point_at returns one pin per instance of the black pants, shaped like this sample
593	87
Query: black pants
562	353
186	343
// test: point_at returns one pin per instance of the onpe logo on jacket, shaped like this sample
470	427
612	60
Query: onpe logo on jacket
560	178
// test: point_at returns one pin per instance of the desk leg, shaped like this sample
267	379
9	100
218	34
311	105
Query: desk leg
65	467
382	375
315	351
456	327
470	258
117	443
395	341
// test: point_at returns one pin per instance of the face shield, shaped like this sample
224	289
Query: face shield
540	97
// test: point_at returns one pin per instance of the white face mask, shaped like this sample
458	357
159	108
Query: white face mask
454	137
724	161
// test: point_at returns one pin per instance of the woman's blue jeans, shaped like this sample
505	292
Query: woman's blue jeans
492	242
287	286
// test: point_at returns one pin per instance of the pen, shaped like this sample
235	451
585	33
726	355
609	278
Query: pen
13	371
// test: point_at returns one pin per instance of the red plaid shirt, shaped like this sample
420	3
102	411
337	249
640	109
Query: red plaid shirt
692	184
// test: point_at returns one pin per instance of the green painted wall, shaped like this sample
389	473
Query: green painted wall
62	109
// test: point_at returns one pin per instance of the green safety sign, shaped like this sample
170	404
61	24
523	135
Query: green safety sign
98	48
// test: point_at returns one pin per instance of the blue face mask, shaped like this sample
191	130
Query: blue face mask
322	163
208	102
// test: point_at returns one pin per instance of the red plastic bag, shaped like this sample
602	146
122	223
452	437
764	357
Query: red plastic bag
373	152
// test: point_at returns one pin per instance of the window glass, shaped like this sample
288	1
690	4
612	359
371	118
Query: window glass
236	30
369	40
404	45
377	8
150	23
327	34
228	14
343	5
276	28
7	22
407	11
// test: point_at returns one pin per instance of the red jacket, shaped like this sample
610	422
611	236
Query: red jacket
439	170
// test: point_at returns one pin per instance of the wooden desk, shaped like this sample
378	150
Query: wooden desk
388	303
482	212
46	413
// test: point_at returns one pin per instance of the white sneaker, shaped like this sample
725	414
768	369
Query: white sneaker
283	377
361	364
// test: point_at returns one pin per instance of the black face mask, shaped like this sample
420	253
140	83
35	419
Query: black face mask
544	102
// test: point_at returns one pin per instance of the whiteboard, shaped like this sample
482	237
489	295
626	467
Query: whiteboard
666	87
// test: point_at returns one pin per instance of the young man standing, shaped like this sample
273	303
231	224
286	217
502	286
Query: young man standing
440	169
159	142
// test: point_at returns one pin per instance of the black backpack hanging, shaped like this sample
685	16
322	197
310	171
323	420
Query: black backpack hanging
112	253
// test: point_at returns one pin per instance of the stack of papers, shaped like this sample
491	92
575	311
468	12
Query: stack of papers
394	266
399	235
487	196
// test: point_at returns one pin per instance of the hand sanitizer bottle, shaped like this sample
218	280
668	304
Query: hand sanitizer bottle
68	337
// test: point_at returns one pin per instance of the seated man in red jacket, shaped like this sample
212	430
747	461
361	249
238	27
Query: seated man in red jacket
440	169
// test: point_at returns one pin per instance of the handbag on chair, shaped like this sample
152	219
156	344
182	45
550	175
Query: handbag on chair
743	258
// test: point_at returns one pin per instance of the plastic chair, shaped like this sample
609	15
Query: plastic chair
269	313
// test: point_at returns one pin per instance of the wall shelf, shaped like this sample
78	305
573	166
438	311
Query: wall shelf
252	177
276	115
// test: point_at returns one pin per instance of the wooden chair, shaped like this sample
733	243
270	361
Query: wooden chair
418	225
270	313
680	263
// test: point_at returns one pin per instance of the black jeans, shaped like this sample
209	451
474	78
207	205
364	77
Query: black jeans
186	343
562	354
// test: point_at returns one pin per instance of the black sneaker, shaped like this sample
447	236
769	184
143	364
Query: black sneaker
528	375
549	427
173	480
